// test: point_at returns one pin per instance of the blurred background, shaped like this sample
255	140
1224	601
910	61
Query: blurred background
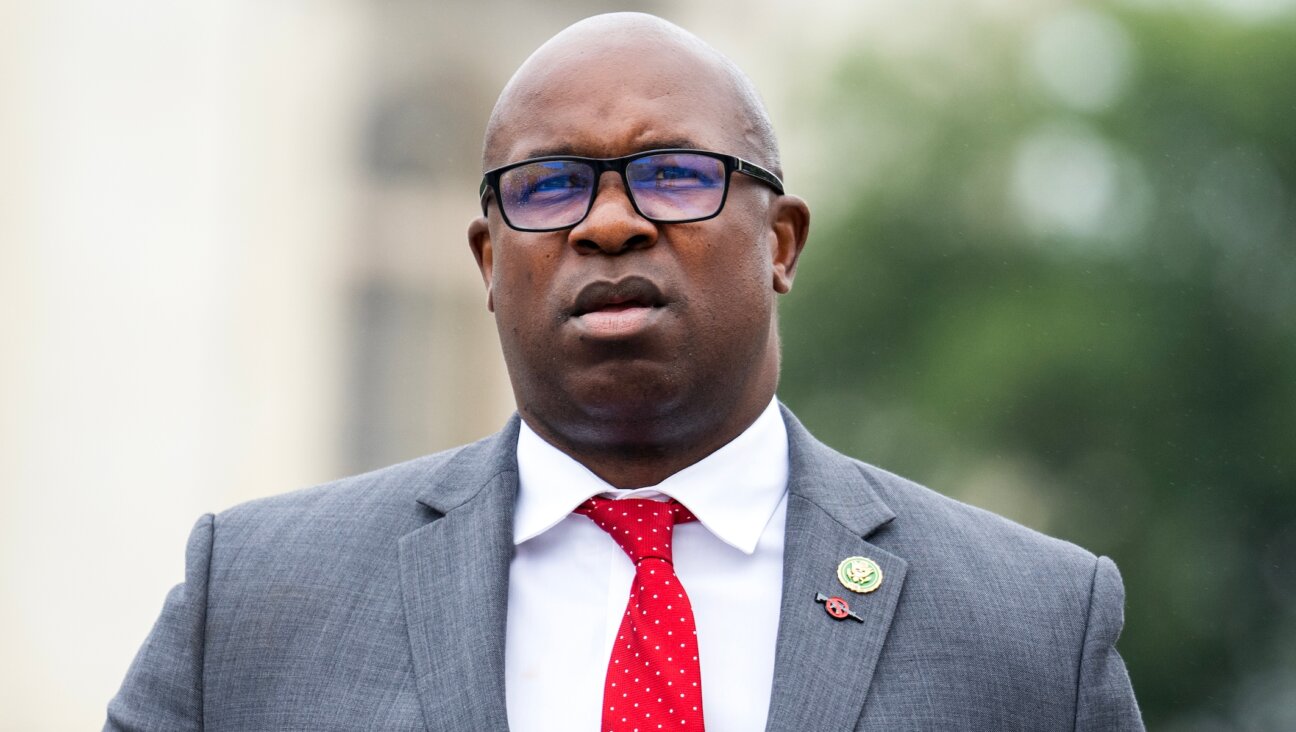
1051	273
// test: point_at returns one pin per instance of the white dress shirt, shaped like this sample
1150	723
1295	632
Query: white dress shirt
569	581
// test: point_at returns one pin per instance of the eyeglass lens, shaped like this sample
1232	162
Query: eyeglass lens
668	187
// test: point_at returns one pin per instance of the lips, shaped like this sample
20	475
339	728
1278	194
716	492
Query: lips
615	310
625	293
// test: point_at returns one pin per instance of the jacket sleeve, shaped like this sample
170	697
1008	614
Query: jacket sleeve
1104	697
163	689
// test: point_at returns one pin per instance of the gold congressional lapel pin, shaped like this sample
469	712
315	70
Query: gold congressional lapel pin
859	574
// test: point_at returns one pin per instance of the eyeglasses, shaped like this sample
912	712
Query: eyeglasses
665	186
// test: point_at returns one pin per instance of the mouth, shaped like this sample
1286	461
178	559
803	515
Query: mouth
617	310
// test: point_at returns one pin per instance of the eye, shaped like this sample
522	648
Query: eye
681	176
677	173
552	187
546	183
554	183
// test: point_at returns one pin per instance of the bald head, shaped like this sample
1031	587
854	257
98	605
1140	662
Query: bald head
599	58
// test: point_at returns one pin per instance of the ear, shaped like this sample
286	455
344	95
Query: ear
789	228
479	240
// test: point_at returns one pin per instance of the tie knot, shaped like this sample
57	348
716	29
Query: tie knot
642	527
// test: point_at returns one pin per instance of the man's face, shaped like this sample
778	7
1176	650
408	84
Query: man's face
618	328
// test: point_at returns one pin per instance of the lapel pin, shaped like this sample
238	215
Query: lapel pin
837	607
859	574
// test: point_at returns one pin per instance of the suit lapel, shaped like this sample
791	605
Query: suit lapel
454	581
823	667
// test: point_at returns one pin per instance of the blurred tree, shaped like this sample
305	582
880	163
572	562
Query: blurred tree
1053	274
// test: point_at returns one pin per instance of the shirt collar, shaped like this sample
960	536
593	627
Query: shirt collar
733	491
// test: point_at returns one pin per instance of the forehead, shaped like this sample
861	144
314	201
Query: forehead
615	99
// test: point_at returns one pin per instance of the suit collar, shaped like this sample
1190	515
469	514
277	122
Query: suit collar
823	667
469	470
833	482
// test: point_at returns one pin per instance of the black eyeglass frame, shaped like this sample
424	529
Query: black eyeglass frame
732	164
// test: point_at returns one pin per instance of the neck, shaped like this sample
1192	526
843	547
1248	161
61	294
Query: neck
640	455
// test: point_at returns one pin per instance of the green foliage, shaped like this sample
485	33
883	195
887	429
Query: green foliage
1082	316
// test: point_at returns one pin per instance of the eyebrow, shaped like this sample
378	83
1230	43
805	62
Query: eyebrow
655	144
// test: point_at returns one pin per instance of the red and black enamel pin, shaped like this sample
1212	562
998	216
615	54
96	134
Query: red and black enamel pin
837	607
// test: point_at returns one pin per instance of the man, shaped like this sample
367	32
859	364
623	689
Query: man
634	238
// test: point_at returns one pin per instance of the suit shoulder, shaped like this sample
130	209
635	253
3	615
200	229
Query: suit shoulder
1006	594
897	512
396	482
929	522
380	500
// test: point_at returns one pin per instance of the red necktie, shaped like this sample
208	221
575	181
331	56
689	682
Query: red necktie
653	679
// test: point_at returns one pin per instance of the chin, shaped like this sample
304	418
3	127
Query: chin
629	406
625	416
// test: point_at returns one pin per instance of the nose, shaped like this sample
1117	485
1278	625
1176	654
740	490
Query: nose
612	225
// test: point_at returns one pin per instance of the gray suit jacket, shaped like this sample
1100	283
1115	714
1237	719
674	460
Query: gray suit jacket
378	602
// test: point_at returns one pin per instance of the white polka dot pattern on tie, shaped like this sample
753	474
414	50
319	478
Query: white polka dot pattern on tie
641	678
